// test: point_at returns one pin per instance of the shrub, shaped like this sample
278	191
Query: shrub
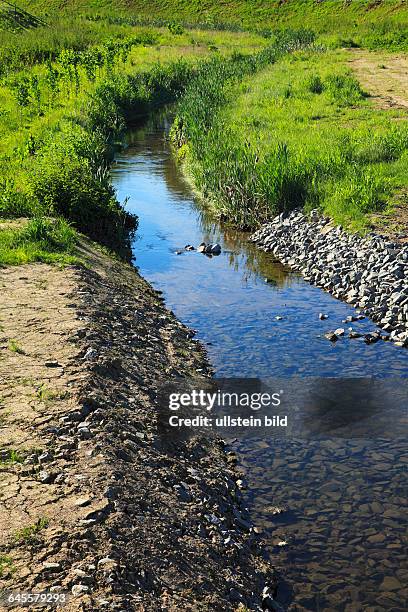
314	84
344	89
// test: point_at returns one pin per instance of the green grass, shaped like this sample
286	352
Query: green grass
6	565
10	457
62	120
69	88
374	24
30	534
14	347
300	133
40	239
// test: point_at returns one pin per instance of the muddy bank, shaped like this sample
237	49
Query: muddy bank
94	501
368	272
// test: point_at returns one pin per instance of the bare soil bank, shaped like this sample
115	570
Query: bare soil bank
93	499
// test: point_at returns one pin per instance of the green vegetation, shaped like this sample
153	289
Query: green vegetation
14	347
41	239
9	457
47	395
6	564
29	534
61	120
301	132
368	23
285	129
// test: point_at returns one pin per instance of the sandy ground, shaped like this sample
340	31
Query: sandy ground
383	76
96	499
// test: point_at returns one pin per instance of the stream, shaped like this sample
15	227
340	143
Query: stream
332	510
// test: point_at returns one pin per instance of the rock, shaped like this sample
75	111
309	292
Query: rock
367	271
235	596
44	457
52	364
107	562
372	338
390	583
84	433
183	494
46	477
90	353
51	567
79	589
81	502
241	484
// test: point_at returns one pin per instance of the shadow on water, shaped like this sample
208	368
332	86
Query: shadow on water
331	507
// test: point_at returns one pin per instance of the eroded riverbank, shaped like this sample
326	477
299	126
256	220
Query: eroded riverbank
95	502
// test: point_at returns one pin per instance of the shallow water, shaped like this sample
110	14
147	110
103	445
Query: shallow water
342	500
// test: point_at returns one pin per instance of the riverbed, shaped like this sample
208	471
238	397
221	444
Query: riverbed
332	510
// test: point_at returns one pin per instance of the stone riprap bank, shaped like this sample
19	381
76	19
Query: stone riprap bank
368	272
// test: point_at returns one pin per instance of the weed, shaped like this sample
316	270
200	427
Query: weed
30	534
45	394
252	152
6	565
344	89
314	84
15	347
8	457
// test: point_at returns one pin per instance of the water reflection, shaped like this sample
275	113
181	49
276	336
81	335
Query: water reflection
338	504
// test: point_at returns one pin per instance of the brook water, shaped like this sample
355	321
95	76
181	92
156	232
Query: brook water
332	510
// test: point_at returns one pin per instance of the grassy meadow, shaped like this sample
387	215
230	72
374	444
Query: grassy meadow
300	132
269	115
366	23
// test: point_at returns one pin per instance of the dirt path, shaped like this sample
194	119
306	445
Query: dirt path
383	76
94	499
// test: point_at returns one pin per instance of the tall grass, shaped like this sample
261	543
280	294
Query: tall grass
291	136
45	240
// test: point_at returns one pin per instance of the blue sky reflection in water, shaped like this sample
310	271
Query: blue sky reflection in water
227	298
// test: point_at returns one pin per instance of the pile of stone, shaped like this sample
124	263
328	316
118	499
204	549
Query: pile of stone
368	272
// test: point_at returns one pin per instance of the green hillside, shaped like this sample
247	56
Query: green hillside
367	23
324	15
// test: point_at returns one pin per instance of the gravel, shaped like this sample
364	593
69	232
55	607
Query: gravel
369	272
